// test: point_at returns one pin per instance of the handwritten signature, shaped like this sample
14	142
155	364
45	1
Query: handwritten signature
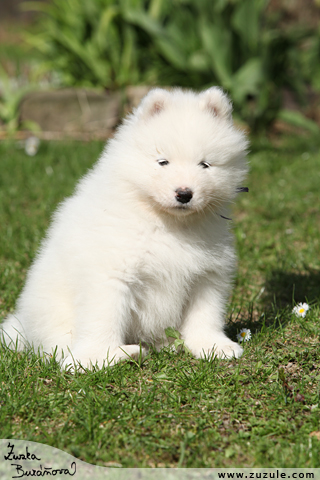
35	472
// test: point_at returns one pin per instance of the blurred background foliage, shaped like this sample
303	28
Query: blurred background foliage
241	45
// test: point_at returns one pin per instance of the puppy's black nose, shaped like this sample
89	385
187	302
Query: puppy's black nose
183	195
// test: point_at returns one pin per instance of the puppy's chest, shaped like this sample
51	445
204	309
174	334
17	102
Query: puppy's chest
170	258
164	275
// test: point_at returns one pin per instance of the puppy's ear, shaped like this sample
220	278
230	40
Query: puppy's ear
215	101
153	103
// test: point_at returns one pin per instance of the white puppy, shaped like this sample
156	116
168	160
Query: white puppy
143	244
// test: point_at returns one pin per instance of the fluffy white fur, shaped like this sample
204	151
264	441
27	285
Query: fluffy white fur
124	259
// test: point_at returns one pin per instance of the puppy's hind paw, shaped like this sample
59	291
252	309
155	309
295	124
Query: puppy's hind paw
76	362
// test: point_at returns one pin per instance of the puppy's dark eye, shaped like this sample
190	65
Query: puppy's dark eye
162	162
204	164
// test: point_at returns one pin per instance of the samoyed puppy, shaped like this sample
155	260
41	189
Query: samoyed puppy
143	244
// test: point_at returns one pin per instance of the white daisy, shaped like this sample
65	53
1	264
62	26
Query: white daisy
244	335
301	309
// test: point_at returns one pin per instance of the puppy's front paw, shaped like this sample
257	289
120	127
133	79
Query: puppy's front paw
228	350
221	348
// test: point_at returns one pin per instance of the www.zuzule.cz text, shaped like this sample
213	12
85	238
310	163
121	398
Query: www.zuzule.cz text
278	474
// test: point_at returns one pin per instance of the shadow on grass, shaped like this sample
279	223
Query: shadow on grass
282	290
285	288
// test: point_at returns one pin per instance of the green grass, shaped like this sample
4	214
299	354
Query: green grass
173	410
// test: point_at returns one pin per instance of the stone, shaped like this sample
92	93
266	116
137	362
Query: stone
72	110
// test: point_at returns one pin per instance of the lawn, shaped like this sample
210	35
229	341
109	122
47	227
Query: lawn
172	410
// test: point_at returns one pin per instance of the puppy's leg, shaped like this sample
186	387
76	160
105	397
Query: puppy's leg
203	327
103	313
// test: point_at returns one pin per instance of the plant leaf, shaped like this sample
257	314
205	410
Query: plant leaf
172	333
297	119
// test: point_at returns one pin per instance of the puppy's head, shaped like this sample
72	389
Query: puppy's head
186	155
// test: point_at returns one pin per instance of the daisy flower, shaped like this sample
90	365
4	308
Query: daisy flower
301	309
244	335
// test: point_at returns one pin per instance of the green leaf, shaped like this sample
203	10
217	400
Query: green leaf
199	61
246	21
172	333
161	376
156	8
229	452
178	343
144	21
247	80
171	53
297	119
101	34
281	374
216	41
30	125
259	365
